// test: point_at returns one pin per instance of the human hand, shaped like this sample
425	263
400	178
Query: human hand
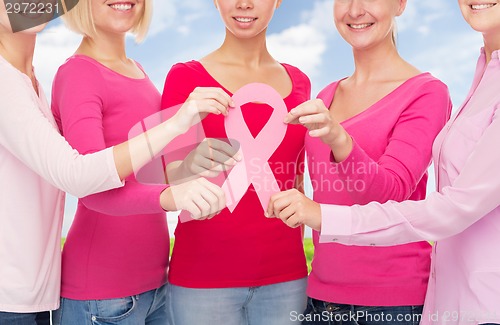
202	199
210	158
295	209
201	102
316	117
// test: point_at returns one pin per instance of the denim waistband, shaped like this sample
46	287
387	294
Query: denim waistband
329	306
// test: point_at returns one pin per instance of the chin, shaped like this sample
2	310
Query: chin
34	30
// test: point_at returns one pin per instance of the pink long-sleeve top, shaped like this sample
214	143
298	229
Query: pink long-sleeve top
463	216
35	162
118	244
392	151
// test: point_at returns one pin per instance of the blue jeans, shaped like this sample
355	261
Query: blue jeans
325	313
265	305
41	318
148	308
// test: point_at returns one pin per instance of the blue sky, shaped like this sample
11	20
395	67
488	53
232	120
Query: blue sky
431	35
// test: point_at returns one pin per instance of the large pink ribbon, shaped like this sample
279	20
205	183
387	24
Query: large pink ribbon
254	167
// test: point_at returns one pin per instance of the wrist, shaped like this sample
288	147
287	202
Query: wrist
342	147
175	126
167	200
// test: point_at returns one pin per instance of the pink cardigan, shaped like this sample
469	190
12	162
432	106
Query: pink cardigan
35	161
463	216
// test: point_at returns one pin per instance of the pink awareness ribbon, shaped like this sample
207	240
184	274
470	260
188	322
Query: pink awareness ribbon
254	166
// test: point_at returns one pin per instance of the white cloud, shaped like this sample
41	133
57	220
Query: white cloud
321	16
176	14
164	15
420	14
303	45
453	62
53	47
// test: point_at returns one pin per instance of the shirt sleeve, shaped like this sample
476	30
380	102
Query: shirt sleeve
178	86
81	104
395	175
473	195
179	83
29	136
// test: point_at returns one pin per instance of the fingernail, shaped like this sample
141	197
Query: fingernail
266	214
302	119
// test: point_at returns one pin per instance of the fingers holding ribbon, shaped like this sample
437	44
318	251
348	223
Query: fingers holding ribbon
216	99
199	197
202	101
294	209
210	158
317	118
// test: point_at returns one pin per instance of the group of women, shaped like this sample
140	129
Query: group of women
378	128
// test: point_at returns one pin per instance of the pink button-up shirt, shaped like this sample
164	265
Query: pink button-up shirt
35	161
463	216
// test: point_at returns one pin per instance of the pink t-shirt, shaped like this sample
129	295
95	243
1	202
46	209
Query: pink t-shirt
240	248
118	244
392	151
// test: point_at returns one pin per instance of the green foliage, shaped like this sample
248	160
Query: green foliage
309	250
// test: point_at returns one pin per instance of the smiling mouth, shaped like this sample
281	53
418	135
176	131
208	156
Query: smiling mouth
244	19
482	6
121	6
360	26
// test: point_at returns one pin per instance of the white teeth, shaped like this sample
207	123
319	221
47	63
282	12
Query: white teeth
122	6
244	20
482	6
360	26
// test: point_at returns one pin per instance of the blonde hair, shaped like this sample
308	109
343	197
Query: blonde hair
79	19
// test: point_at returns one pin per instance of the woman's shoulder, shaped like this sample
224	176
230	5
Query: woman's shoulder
329	90
189	67
295	72
80	66
9	76
187	72
300	81
79	74
426	82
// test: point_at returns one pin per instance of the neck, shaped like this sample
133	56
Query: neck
491	44
251	52
104	47
18	50
375	63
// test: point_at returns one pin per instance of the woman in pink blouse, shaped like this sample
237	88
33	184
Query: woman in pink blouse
463	216
383	120
36	163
